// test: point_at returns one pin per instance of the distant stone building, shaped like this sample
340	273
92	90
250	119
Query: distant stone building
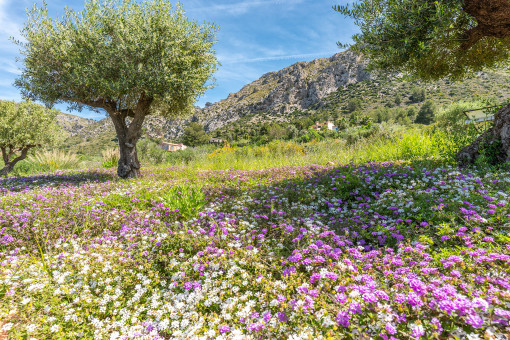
216	141
328	125
172	146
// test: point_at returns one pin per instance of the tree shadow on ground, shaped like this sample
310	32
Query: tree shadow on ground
55	180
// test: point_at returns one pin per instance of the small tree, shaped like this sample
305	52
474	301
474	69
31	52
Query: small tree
353	104
194	135
417	95
398	100
128	58
22	127
426	114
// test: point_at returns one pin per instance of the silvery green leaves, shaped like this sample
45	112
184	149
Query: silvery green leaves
24	126
130	59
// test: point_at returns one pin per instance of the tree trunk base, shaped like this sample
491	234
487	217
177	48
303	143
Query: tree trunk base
494	144
7	168
125	170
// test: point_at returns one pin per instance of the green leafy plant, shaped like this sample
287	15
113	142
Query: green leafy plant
187	200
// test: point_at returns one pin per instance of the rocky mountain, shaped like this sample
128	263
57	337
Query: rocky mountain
297	87
72	124
306	87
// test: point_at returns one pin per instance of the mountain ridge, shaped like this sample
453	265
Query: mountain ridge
321	84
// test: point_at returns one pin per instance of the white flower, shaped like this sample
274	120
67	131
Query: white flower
25	301
31	328
55	328
7	326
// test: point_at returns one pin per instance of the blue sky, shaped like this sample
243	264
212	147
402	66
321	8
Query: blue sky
255	37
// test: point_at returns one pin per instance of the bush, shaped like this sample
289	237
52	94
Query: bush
417	95
426	114
53	160
151	152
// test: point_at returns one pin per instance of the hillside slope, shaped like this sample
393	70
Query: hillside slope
308	88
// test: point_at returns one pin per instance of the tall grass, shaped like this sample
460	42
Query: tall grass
111	157
52	160
415	144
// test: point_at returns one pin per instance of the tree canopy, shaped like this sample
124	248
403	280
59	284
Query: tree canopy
22	127
432	39
194	135
128	58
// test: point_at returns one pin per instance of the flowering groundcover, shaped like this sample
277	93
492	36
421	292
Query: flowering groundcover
382	251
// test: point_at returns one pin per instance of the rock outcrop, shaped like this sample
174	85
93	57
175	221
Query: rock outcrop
73	125
296	87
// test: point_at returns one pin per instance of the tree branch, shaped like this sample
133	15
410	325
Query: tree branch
492	17
4	155
23	155
100	102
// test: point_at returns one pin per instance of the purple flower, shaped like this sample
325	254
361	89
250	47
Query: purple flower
224	329
474	320
437	324
282	317
370	297
331	276
315	277
390	328
414	300
381	295
419	287
417	331
501	312
355	308
342	318
341	298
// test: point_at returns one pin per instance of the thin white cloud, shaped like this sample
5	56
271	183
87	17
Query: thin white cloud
243	7
9	27
279	57
9	66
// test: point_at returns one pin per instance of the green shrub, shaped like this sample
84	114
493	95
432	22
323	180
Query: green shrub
151	152
187	200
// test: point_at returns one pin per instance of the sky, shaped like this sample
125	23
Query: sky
255	37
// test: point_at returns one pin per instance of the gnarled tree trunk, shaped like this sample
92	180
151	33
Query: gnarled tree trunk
128	136
8	163
129	165
497	139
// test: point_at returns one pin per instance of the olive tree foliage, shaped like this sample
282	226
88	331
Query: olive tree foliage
22	127
131	59
432	39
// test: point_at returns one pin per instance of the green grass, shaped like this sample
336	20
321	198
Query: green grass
407	145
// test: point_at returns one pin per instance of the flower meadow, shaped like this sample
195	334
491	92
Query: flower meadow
371	251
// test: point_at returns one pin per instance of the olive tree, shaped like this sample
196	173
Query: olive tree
433	39
22	127
131	59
